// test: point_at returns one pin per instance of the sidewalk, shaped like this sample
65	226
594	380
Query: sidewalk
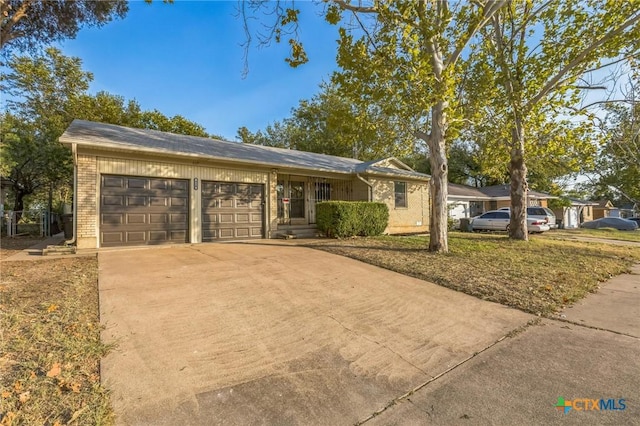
593	354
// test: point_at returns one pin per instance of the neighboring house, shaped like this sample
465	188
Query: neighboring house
468	201
138	187
605	208
578	212
465	201
629	210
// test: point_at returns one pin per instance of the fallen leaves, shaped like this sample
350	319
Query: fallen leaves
55	370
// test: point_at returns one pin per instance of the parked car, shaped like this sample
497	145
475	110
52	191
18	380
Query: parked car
542	213
611	222
498	220
635	219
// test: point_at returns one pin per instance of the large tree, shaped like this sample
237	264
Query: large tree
403	56
536	54
29	24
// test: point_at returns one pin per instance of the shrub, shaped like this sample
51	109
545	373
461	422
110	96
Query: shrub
343	219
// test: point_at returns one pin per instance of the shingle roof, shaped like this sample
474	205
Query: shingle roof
109	136
499	191
457	190
489	192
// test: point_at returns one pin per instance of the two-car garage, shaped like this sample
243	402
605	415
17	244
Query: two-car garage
154	210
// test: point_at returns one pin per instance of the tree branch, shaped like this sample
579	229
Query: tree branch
487	16
6	35
551	84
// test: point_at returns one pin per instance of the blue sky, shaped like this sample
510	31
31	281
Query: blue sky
186	58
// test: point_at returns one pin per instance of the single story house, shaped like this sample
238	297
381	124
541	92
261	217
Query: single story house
135	187
629	210
605	208
578	212
468	201
465	201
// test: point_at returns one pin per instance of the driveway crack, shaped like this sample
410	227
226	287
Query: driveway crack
407	394
381	345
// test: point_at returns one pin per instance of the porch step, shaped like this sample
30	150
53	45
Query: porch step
58	250
299	233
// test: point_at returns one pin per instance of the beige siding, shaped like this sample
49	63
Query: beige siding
360	190
413	218
90	168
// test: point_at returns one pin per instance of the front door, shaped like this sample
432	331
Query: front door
291	202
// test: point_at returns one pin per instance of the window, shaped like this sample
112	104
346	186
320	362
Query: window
493	205
400	194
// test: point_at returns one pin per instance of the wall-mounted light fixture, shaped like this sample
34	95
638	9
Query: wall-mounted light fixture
195	184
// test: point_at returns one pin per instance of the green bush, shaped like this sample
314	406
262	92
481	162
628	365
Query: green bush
343	219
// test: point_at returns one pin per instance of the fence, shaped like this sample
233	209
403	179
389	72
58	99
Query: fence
31	222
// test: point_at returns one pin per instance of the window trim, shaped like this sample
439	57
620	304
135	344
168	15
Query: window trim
404	195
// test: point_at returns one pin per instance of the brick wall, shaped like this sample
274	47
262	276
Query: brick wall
414	217
87	202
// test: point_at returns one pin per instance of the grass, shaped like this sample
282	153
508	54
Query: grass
606	233
50	346
540	277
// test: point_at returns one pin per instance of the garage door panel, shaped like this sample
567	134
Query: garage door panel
137	201
113	182
178	202
242	218
110	200
135	183
136	218
231	210
136	237
180	186
158	218
225	218
158	202
137	210
112	237
178	218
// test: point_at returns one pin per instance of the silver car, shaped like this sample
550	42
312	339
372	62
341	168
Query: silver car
541	213
498	220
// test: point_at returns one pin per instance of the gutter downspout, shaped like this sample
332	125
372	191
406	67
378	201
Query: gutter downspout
369	184
74	150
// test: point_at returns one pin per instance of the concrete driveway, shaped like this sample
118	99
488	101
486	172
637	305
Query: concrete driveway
273	333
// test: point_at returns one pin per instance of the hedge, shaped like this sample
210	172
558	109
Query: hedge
343	219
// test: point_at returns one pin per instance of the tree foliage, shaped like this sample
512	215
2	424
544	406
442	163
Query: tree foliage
527	67
330	124
46	93
617	169
405	57
29	24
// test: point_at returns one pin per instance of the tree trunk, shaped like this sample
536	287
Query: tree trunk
519	186
439	178
18	203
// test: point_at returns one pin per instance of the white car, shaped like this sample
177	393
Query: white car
541	213
498	220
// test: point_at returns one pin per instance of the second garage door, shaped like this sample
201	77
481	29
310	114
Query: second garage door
231	210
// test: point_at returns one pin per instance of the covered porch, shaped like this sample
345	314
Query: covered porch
298	195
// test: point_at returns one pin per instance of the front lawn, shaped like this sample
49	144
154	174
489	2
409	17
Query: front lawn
50	345
541	276
606	233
